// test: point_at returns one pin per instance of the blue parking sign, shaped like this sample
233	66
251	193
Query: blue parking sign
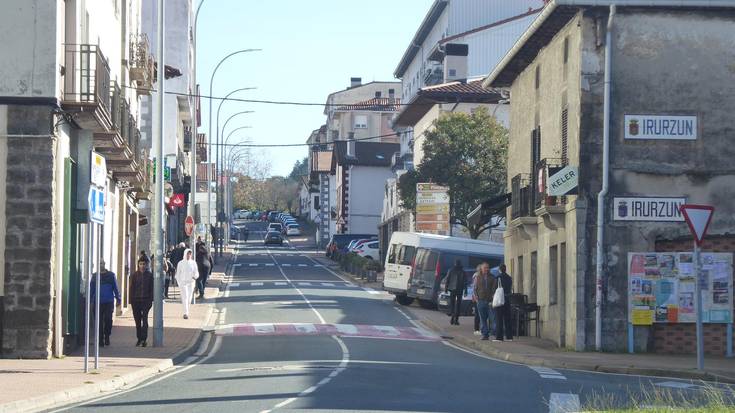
96	200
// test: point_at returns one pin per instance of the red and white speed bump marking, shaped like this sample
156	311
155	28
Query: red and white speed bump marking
341	330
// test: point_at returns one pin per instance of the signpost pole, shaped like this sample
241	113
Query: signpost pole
97	299
87	292
631	338
728	352
698	293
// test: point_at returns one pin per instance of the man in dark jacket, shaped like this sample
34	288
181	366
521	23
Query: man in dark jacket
502	313
109	295
204	265
141	299
457	286
482	293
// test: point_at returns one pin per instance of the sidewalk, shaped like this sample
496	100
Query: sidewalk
33	385
334	266
538	352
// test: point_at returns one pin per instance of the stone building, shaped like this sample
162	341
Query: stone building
672	62
71	76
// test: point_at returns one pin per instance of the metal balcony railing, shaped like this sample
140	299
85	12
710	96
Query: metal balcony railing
87	77
141	63
521	196
542	172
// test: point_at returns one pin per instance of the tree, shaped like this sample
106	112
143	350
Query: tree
300	168
467	153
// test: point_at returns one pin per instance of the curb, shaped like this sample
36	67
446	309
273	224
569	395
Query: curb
83	393
534	361
334	267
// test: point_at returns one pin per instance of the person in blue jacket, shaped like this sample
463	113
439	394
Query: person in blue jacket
109	296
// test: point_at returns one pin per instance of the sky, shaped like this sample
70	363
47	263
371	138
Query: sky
310	49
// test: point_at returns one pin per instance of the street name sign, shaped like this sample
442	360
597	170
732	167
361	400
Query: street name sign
671	127
648	209
96	201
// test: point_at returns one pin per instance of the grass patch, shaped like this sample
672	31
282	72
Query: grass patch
705	398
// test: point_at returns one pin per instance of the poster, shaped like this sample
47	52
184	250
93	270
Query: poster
662	287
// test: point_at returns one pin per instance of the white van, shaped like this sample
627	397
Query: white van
413	258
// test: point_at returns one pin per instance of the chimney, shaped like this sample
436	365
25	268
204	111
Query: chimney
355	81
351	146
455	62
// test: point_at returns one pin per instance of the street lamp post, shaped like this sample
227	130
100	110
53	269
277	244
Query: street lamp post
209	137
193	154
157	210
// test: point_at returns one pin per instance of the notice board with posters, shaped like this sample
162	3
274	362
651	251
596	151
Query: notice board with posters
661	287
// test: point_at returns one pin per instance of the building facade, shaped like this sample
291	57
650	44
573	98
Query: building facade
71	84
556	75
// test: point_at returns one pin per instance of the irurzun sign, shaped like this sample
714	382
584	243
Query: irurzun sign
648	209
661	127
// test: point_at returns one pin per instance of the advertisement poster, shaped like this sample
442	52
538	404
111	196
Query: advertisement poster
662	287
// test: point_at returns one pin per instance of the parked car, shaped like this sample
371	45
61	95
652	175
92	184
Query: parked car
275	226
359	243
409	276
273	237
272	216
369	250
293	229
340	241
238	233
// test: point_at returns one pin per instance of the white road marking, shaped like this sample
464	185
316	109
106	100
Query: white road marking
253	265
305	284
237	265
235	285
346	329
552	376
547	373
280	283
371	291
264	328
318	265
305	328
327	285
256	284
675	384
285	265
270	265
303	265
564	403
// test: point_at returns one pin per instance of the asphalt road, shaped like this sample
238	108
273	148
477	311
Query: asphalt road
292	335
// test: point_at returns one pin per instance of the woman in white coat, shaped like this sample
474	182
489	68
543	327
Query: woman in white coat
186	276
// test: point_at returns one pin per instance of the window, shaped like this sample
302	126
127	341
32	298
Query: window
534	275
452	72
519	271
316	202
429	263
538	77
553	280
406	255
378	94
535	151
361	122
392	253
562	270
566	49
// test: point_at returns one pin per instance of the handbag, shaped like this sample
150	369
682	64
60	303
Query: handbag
499	296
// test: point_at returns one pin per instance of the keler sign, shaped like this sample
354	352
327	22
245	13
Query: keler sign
563	181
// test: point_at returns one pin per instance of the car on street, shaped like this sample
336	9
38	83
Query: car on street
355	244
338	242
293	229
275	226
273	237
369	250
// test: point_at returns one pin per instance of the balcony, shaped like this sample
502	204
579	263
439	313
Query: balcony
521	197
545	168
86	94
141	64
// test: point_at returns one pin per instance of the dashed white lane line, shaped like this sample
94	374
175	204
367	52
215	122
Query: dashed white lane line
280	283
564	403
256	284
285	265
234	285
252	265
675	384
303	265
328	284
305	284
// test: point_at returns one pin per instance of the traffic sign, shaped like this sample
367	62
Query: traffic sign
96	201
698	218
189	225
98	169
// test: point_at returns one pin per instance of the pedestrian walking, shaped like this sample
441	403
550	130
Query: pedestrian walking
141	299
144	257
456	285
186	276
109	296
483	294
502	312
170	271
204	266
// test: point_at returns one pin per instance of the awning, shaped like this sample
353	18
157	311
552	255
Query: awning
487	209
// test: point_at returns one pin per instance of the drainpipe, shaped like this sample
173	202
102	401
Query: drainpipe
605	181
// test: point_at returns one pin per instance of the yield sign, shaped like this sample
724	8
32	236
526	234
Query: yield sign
698	218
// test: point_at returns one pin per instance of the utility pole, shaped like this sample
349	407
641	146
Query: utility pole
157	210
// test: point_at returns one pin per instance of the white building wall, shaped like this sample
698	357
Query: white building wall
364	206
32	72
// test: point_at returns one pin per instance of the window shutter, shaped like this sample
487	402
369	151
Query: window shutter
565	136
